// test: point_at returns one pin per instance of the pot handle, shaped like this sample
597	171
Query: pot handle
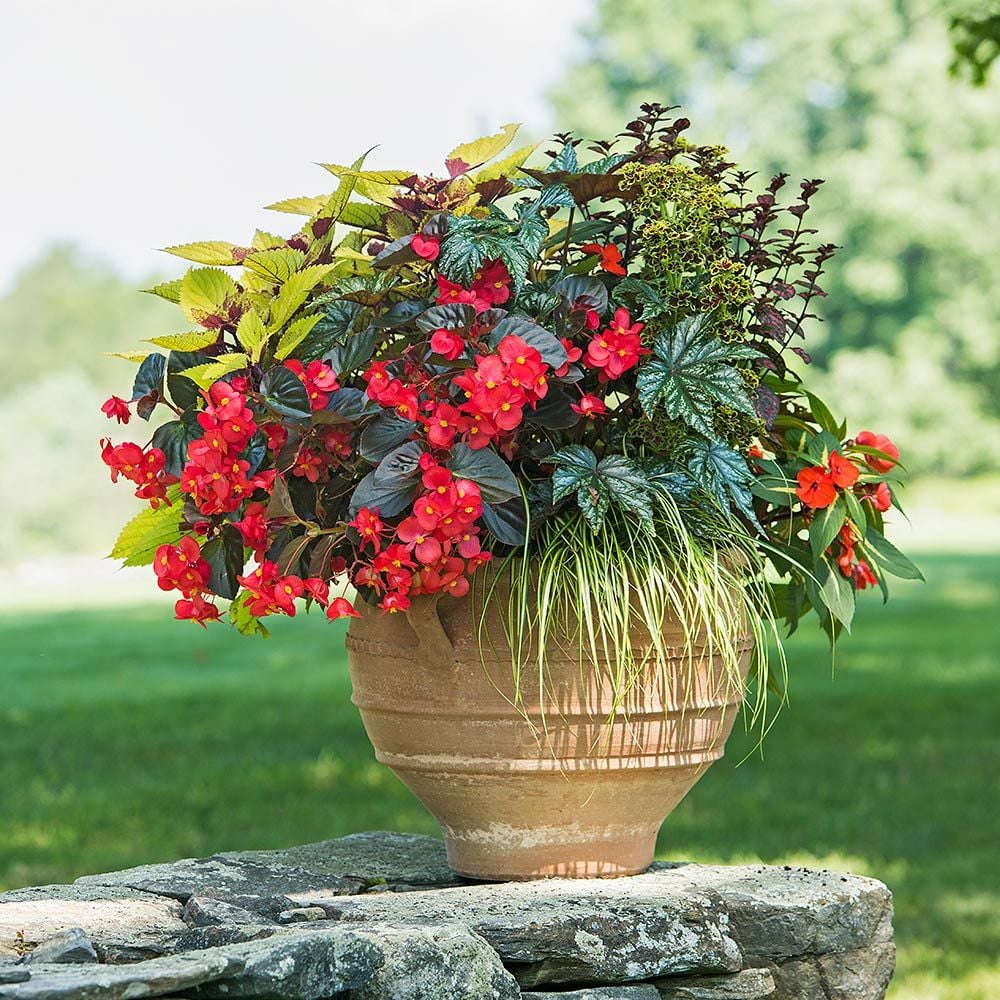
432	639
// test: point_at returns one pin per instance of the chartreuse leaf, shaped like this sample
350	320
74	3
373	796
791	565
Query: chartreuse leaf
276	264
208	374
506	166
300	206
136	357
252	334
294	293
295	334
471	154
245	622
205	292
196	340
690	372
724	474
616	480
349	180
825	525
148	530
169	290
216	252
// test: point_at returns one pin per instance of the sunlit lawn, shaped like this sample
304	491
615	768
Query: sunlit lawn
126	738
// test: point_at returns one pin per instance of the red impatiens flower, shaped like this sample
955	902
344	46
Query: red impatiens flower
880	496
868	439
341	607
427	247
610	256
447	343
816	487
116	409
589	406
863	575
843	471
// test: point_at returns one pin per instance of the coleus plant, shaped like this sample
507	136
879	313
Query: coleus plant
433	372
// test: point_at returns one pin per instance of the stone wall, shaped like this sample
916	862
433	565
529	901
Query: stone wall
380	915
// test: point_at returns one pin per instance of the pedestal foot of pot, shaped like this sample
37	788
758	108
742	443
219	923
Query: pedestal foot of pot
521	855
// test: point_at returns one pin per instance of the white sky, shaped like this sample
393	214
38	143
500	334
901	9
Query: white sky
128	125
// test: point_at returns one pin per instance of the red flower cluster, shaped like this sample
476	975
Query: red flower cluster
850	566
268	592
499	388
144	468
435	549
182	567
215	475
491	287
818	484
617	349
319	379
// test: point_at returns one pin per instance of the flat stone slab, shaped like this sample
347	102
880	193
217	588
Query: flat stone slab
381	917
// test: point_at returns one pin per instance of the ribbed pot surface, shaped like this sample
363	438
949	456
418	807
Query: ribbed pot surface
542	785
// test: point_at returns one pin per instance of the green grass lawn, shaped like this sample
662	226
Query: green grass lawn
127	738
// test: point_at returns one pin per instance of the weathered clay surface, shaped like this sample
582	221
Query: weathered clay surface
426	962
379	915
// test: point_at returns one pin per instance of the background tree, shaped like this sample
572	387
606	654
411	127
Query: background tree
858	93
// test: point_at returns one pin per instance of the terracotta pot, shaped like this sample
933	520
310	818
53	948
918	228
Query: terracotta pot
546	787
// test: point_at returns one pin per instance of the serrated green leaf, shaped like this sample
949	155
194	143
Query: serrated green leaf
362	215
471	154
300	206
506	166
627	486
294	293
724	474
169	290
252	334
215	252
276	265
244	621
148	530
205	292
208	374
835	592
295	334
690	372
136	357
196	340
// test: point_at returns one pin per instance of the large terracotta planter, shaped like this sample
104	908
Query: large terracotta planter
547	786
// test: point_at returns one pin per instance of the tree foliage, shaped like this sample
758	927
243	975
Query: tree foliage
858	93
